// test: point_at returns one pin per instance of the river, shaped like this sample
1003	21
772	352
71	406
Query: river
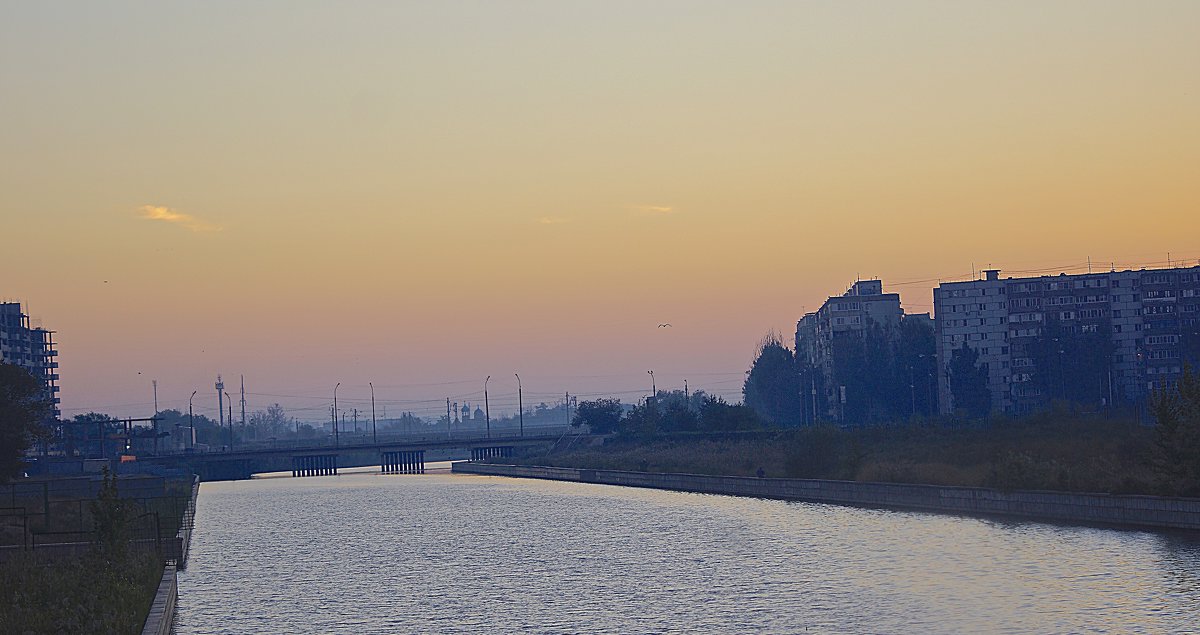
440	553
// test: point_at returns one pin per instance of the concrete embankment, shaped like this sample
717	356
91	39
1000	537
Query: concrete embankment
1131	511
162	610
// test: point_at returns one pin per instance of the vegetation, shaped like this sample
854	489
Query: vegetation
667	412
969	383
93	594
1177	438
773	385
1052	451
24	407
109	590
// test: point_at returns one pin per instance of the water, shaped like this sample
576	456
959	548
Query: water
366	553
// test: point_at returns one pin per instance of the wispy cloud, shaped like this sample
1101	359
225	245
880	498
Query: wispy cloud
657	210
187	221
552	220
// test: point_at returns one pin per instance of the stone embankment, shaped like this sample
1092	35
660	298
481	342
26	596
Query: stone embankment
162	610
1130	511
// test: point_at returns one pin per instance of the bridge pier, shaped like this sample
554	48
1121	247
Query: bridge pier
314	465
479	454
402	462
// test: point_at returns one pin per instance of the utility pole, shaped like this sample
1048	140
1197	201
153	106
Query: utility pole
567	406
687	399
374	433
228	398
356	421
487	411
220	385
520	404
243	377
154	382
653	388
336	441
449	430
191	420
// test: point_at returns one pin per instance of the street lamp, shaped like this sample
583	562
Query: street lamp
487	412
335	411
192	420
374	433
520	405
653	388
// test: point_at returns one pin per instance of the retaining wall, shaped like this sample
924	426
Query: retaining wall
1135	511
162	611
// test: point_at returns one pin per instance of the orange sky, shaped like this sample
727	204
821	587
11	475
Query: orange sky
416	194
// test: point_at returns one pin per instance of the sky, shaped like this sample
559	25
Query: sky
419	195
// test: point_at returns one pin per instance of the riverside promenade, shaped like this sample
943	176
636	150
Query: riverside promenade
1148	512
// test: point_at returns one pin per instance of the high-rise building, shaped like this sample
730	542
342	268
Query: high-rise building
1109	338
840	320
31	348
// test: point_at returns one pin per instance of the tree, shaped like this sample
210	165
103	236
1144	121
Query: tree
1177	436
718	416
602	416
969	382
24	407
772	386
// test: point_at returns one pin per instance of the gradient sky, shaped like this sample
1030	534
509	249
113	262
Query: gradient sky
422	194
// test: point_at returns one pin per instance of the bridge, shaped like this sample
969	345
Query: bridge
397	456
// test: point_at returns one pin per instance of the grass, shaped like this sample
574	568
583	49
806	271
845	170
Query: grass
1050	452
93	594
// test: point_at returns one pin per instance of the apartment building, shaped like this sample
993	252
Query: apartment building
840	317
1146	320
31	348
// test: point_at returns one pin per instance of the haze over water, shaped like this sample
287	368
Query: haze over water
367	553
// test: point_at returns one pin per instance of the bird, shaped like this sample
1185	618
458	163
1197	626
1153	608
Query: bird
664	326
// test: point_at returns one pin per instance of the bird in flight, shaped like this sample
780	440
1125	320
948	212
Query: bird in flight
664	326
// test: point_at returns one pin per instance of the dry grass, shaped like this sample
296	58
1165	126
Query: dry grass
1052	452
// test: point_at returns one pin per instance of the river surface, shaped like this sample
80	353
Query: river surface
441	553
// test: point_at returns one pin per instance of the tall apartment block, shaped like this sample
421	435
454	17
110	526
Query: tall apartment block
1150	317
840	317
31	348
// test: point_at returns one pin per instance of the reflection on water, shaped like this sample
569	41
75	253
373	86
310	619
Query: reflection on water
366	553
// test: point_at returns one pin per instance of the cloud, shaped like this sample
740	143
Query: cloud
166	214
552	220
658	210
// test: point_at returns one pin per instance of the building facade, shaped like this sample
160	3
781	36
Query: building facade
1118	334
31	348
819	335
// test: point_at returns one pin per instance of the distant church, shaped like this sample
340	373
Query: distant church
479	417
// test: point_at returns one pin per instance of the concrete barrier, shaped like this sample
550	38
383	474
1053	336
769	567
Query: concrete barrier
162	610
1108	509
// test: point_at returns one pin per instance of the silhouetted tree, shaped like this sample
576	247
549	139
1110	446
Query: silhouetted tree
602	416
1177	436
24	408
718	416
969	382
1070	364
916	363
772	386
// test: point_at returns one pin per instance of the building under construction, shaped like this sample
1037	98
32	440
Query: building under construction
31	348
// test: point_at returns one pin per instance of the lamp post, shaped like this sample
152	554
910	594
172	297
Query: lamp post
374	433
520	405
230	421
192	420
653	388
335	411
487	411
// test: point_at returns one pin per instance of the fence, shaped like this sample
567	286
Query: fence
54	517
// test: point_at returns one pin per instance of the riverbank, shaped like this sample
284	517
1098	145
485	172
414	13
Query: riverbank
1044	452
1120	510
